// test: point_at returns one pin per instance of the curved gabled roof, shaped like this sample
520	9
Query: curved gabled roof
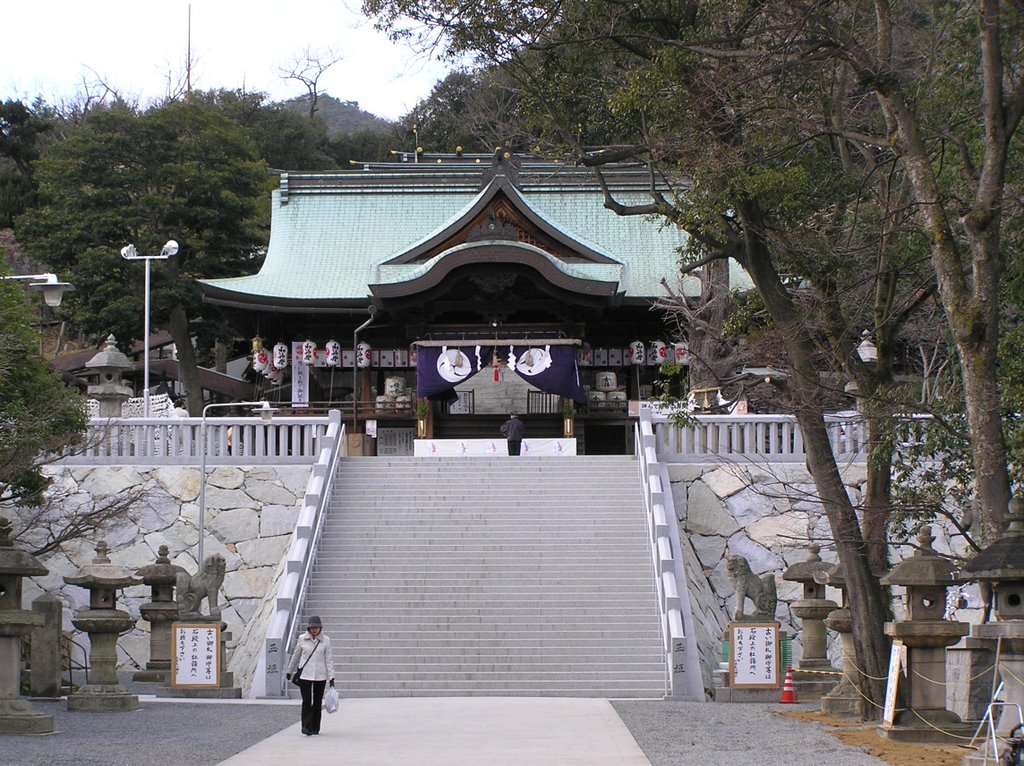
587	279
334	235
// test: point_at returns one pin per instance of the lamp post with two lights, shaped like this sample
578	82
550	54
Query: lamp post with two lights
129	253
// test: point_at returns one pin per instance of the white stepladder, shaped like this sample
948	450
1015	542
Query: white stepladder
991	745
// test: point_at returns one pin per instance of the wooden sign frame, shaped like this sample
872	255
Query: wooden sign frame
187	652
897	662
759	637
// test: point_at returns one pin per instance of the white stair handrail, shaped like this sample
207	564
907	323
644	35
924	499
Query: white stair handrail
291	588
673	592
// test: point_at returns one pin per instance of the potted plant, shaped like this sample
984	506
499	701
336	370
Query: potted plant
422	413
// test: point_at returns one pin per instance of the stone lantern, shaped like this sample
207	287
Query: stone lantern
16	715
110	391
160	612
812	610
104	623
926	634
844	700
999	569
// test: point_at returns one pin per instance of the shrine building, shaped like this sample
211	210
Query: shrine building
429	298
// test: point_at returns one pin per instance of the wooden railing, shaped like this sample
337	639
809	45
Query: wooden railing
178	441
764	438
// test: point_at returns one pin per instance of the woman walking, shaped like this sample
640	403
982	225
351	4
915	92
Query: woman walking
313	668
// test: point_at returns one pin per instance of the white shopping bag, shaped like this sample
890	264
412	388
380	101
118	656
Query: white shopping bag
331	700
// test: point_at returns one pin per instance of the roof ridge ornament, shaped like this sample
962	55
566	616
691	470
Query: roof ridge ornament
504	164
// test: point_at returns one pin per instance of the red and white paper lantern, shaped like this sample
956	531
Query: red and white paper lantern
636	352
261	361
332	351
364	354
309	352
281	355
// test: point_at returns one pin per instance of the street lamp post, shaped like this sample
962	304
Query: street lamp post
266	412
129	253
52	288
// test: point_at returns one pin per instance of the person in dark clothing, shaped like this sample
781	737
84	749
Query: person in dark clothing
513	430
313	665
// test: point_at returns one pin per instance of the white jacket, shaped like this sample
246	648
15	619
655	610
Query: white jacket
315	659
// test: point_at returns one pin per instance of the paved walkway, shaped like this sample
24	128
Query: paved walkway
457	731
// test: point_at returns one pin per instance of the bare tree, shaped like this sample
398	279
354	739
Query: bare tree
308	68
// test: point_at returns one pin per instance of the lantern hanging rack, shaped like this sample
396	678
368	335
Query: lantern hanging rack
499	342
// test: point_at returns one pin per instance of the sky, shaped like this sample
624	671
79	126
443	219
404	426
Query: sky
52	46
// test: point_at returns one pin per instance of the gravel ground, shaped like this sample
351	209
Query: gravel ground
675	733
202	734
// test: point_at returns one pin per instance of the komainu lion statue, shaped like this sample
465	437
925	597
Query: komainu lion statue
760	590
192	589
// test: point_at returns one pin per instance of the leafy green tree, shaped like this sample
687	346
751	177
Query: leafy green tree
181	171
39	414
20	132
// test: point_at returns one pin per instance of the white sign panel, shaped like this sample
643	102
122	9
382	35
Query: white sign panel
300	378
897	659
195	659
754	655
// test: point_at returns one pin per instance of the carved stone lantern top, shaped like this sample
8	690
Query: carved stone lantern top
15	565
14	561
1004	559
109	361
813	573
925	568
162	571
102	574
926	576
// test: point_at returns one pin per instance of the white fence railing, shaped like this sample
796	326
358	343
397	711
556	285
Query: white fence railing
178	441
685	679
764	438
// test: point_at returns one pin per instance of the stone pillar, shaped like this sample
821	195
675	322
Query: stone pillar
16	715
104	623
925	633
47	657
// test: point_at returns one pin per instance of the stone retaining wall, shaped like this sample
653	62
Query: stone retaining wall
250	515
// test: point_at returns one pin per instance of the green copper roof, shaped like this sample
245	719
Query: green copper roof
332	233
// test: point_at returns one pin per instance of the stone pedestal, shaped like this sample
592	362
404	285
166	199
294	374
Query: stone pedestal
104	692
926	719
17	716
814	675
845	700
969	675
227	688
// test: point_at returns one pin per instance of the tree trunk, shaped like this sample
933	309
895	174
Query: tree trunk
705	341
970	298
178	327
864	592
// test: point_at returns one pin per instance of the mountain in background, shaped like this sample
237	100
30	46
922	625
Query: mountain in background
342	118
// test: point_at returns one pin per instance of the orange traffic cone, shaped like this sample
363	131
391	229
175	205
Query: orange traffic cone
788	690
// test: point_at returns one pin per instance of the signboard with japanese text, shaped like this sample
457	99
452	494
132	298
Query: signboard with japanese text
754	658
195	657
897	665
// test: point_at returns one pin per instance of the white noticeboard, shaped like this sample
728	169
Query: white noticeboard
195	656
754	655
897	661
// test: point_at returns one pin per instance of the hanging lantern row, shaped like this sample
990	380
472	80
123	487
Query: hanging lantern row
637	353
265	363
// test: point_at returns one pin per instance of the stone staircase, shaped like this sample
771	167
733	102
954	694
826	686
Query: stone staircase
489	576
